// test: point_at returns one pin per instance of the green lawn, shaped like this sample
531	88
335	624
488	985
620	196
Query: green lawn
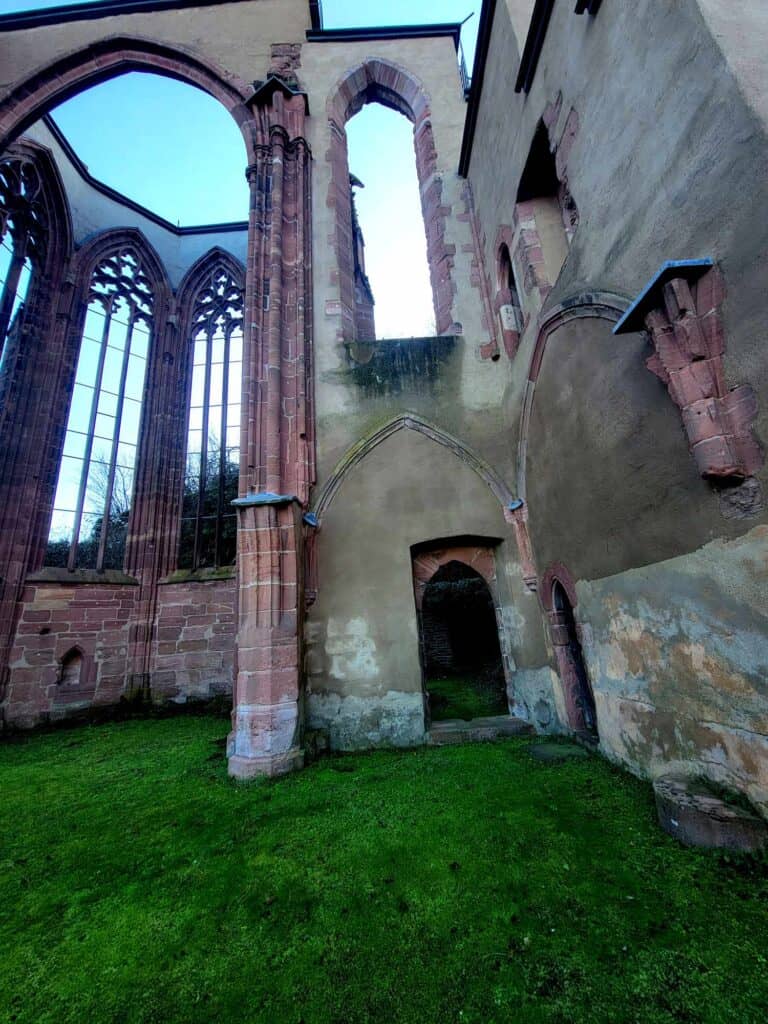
447	885
464	697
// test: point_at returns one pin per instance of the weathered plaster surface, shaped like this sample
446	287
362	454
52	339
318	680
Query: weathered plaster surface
679	663
393	719
362	635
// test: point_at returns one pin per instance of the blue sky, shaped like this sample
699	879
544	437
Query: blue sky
126	129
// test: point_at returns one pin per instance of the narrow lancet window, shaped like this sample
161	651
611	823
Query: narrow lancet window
23	238
209	525
93	497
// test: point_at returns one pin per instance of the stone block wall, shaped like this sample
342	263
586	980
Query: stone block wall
58	620
194	650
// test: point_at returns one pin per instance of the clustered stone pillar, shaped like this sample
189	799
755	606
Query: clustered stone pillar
277	449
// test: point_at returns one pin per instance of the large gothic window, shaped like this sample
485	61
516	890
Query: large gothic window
23	238
95	485
209	525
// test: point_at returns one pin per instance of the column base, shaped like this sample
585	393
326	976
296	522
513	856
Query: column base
265	765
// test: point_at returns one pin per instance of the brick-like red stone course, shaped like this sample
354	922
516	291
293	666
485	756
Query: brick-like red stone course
55	619
193	654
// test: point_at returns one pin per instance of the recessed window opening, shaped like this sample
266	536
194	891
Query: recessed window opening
189	142
209	524
463	672
551	202
584	699
71	669
390	244
92	503
23	240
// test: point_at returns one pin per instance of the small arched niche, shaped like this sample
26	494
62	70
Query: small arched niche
71	673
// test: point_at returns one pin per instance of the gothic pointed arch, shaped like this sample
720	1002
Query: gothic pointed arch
121	306
211	315
410	421
597	304
115	55
200	272
36	240
376	80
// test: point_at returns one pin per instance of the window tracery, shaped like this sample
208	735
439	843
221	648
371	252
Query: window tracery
94	491
208	524
24	233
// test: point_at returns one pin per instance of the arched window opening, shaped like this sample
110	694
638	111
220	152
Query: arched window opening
550	203
461	656
94	491
193	184
579	697
209	524
389	244
24	232
71	669
510	311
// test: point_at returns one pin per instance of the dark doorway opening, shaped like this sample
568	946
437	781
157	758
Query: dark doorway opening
575	679
461	657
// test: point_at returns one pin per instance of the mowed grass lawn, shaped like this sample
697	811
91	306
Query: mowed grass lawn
465	884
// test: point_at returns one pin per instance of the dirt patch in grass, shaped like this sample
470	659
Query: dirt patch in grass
449	885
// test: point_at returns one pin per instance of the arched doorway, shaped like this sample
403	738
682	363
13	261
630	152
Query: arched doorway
580	700
461	656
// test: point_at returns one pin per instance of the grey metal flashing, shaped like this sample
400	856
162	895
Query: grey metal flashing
266	88
265	498
362	35
90	12
316	14
112	193
534	44
650	297
487	12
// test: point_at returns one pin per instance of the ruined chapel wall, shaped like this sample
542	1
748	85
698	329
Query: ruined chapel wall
667	162
662	125
364	681
236	36
464	393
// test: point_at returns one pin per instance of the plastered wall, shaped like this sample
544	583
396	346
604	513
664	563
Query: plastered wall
668	162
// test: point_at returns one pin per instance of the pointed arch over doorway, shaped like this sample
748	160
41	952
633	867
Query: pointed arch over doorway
410	421
559	598
464	674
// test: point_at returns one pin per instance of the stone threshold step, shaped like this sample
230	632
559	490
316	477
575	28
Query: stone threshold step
441	734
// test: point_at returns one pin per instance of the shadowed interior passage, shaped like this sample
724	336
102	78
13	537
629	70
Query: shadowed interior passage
463	673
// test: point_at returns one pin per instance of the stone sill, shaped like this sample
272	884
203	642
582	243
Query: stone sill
226	572
113	577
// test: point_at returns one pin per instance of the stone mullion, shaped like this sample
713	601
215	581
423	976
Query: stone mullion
251	406
149	551
30	445
274	322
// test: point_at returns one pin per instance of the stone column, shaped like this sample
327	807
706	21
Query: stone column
277	441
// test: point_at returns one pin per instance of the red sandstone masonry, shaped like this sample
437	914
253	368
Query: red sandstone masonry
194	651
55	619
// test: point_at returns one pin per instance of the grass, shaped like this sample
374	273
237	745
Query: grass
464	697
456	885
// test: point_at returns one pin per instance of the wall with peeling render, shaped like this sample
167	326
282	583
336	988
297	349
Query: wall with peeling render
679	660
364	681
670	572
